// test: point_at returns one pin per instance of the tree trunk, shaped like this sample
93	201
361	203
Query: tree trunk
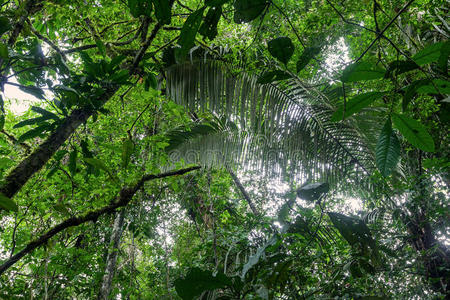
111	260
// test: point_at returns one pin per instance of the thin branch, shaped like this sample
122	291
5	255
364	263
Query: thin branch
243	191
384	29
47	40
125	196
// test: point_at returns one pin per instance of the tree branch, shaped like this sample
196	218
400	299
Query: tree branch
125	196
243	191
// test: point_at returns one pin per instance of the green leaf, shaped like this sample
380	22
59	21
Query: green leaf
163	11
308	54
209	26
2	121
197	281
399	67
97	163
5	162
31	121
73	161
443	58
437	86
355	104
248	10
34	132
101	47
44	113
428	54
33	90
140	8
362	71
127	150
150	82
4	51
7	204
216	2
281	48
4	25
188	33
414	132
387	152
313	191
411	91
272	76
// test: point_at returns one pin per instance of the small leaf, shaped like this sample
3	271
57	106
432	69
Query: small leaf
2	121
248	10
73	161
140	8
428	54
4	51
31	121
188	33
272	76
44	113
414	132
362	71
281	48
215	2
308	54
127	150
7	204
34	132
355	104
163	11
387	152
33	90
97	163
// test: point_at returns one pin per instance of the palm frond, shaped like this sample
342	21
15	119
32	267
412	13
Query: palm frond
282	131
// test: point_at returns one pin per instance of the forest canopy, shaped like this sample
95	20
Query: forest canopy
224	149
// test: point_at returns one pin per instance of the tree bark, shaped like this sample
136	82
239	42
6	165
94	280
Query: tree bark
125	196
111	260
243	191
34	162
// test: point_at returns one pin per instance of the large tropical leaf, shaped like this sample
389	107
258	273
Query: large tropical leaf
388	150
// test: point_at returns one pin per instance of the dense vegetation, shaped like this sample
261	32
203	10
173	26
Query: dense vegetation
225	149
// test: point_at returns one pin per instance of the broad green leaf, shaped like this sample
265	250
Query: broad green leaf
209	26
308	54
8	204
436	86
163	10
272	76
254	259
400	66
281	48
5	162
127	150
73	162
387	152
2	121
188	33
197	281
248	10
428	54
362	71
34	132
414	132
355	104
4	51
4	25
411	91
